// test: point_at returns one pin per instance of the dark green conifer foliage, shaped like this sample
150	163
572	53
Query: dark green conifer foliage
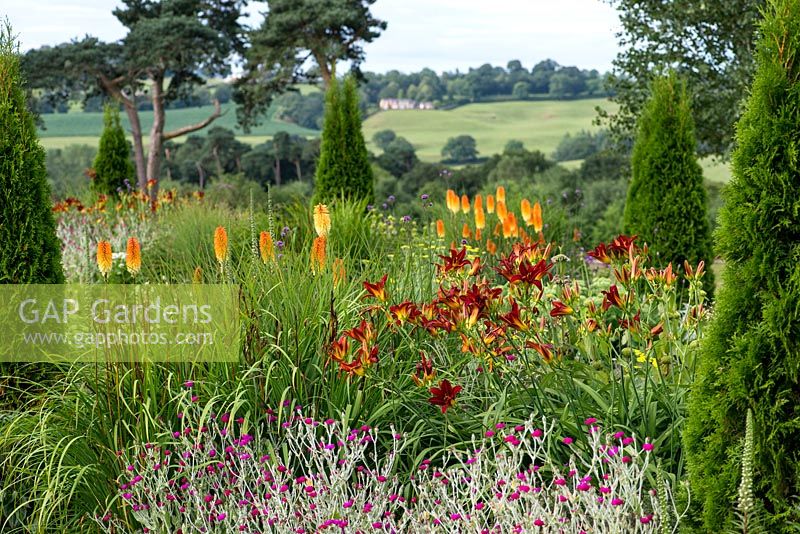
29	249
343	168
667	205
113	164
750	357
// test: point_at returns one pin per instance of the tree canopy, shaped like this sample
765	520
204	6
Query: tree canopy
294	33
709	43
168	44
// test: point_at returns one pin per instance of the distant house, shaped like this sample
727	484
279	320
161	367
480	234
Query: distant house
403	103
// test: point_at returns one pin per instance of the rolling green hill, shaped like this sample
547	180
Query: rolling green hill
540	125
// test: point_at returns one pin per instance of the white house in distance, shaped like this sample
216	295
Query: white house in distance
386	104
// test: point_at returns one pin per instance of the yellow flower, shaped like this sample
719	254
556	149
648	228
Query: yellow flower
104	257
221	244
322	220
490	204
265	247
465	203
133	256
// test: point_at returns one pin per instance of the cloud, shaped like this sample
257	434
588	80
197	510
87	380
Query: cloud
440	34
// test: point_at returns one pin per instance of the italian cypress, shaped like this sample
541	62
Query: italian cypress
360	181
29	249
750	358
113	164
667	206
343	168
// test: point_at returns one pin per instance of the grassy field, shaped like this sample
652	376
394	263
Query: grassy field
77	127
540	125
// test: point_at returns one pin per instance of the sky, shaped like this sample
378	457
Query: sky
440	34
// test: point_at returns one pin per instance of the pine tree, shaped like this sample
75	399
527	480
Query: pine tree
667	205
750	358
29	249
112	165
343	167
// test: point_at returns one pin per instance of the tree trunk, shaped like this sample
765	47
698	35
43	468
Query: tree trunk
114	88
138	145
299	170
277	171
202	173
156	134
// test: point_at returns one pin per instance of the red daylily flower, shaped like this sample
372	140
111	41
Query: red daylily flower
560	309
455	261
612	298
444	395
513	318
377	290
544	350
405	312
423	371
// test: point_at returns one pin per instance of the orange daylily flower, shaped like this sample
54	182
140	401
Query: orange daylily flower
221	244
104	257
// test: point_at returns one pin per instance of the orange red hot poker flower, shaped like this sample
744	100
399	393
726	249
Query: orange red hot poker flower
133	256
440	229
318	254
265	247
322	220
104	257
221	244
